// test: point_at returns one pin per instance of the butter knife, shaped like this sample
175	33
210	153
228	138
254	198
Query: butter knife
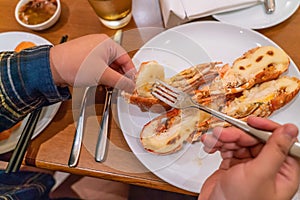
269	6
102	138
77	142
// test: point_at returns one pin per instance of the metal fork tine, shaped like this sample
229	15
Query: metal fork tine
169	87
165	91
162	95
162	98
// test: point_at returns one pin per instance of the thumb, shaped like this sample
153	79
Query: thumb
275	151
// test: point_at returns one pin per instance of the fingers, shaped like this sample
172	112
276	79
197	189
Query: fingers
124	65
262	123
120	60
211	143
114	79
106	63
234	135
121	64
276	150
232	138
229	138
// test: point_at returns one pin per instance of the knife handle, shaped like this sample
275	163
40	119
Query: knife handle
77	142
102	138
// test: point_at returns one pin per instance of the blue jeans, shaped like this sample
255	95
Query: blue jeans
25	185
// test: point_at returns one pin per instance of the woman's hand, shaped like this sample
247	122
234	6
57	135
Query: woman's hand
92	60
251	169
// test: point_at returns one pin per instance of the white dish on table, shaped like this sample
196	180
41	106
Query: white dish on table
8	41
256	18
178	48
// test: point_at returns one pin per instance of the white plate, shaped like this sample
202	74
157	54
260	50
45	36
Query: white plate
8	41
256	18
179	47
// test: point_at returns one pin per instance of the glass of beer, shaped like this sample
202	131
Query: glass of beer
114	14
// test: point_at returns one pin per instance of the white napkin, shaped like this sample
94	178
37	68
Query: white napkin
176	12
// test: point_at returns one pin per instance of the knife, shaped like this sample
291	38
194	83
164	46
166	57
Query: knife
269	6
77	142
102	138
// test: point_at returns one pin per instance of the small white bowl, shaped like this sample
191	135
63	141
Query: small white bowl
42	26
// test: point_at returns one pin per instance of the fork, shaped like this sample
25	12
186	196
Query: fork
181	100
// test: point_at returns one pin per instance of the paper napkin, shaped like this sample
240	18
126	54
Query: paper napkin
176	12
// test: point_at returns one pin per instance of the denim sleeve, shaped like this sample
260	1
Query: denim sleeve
26	84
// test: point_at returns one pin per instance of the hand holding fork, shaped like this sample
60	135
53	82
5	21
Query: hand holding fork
181	100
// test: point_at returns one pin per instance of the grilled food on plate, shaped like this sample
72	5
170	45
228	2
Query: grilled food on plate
187	80
252	85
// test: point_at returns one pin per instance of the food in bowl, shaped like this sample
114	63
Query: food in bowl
32	13
37	11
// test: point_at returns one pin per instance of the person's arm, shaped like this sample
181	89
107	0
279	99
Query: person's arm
251	169
39	76
26	84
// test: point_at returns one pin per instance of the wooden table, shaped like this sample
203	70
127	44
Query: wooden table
51	149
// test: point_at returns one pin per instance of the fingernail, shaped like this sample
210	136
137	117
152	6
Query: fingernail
290	130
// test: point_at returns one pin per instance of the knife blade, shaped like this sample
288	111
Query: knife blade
102	137
269	6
